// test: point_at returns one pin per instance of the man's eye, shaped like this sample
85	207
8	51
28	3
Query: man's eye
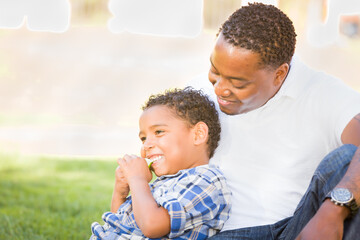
214	72
241	86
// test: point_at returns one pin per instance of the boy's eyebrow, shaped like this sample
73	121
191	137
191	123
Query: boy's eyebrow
155	126
233	78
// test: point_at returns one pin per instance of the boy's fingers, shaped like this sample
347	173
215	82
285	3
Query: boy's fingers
122	163
126	158
130	157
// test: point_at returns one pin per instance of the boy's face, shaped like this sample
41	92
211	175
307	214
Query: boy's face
166	139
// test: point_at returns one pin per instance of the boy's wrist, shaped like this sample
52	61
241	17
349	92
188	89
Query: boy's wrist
138	183
137	179
121	191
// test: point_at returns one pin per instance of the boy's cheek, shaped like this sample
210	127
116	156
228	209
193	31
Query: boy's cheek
142	152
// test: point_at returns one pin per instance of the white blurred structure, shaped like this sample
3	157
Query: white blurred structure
39	15
172	18
320	34
80	92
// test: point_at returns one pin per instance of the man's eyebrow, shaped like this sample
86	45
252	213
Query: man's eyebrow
212	64
238	79
233	78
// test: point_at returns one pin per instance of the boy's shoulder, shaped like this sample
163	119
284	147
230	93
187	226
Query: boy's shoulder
209	173
203	175
206	170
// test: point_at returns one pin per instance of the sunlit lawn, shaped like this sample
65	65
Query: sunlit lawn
52	198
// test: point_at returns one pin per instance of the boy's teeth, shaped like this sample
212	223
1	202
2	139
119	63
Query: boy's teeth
148	160
155	158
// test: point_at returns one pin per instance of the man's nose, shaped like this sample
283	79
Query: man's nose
221	87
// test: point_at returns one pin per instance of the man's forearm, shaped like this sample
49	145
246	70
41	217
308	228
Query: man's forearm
351	179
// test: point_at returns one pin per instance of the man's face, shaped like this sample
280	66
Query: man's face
240	84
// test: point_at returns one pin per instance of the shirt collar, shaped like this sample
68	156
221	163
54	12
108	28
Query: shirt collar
162	177
292	85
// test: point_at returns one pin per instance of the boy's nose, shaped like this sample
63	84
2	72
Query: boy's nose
148	144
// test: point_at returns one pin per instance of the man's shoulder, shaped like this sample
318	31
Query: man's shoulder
304	79
201	82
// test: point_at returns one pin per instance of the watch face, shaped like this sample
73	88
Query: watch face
341	195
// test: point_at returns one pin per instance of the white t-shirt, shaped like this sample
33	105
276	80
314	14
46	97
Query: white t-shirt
269	155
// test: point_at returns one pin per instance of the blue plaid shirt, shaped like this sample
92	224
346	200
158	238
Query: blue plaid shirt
197	200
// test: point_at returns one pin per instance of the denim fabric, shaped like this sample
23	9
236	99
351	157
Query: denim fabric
328	174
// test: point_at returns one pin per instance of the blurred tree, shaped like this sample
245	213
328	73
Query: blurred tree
89	12
216	12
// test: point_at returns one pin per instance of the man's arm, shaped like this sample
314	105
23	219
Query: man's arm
153	220
351	133
328	222
351	180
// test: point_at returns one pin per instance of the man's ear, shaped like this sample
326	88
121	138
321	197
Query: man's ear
201	133
281	73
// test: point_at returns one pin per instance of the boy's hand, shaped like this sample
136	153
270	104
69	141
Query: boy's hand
121	185
133	166
121	190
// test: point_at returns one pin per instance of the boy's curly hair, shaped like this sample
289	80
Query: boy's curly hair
193	106
263	29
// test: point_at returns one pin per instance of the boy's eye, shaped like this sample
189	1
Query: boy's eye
157	132
143	139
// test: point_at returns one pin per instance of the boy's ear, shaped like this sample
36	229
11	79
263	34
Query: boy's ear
201	132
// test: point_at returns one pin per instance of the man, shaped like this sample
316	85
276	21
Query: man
279	120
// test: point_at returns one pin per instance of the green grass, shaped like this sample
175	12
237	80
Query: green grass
52	198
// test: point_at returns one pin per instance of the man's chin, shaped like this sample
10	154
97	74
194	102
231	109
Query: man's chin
229	111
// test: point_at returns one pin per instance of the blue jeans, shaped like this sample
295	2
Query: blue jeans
328	174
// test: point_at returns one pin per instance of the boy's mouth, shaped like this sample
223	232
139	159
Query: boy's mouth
153	159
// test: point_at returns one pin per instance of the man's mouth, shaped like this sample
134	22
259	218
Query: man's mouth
223	101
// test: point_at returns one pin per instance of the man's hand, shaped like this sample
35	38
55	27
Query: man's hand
133	166
327	224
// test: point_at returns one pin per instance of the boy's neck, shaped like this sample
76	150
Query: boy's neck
200	159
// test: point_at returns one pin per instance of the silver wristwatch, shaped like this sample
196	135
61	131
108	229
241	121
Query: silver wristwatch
343	197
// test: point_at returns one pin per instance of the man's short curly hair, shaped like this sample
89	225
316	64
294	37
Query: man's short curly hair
263	29
193	106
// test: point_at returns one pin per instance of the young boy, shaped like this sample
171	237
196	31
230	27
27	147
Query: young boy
180	131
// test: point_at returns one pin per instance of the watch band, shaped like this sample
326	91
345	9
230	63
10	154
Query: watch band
351	204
